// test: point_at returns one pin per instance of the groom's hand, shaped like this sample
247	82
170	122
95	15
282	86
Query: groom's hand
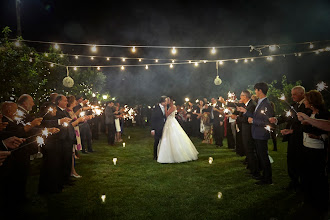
153	132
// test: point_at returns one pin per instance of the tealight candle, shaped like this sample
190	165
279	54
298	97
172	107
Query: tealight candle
114	161
103	198
210	160
219	195
129	137
124	144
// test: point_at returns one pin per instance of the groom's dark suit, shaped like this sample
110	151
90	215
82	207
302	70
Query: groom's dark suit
157	124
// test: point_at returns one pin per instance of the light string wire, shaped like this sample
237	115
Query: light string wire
164	47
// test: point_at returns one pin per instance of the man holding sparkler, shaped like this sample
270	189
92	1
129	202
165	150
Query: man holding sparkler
260	120
293	133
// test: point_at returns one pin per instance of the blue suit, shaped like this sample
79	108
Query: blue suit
260	135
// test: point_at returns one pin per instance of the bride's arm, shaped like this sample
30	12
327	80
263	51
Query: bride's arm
170	110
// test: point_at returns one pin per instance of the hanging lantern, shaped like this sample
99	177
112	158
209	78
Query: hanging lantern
68	81
217	80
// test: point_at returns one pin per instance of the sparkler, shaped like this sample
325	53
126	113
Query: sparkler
322	86
50	109
19	113
65	124
288	113
268	128
40	141
284	99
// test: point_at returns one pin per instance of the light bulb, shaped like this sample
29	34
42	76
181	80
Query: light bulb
108	58
270	58
236	61
221	62
204	61
173	50
147	67
52	65
61	55
75	68
98	68
17	43
252	60
213	50
189	61
156	60
311	46
133	49
56	46
171	66
93	48
76	56
196	64
245	60
122	67
172	61
124	59
46	54
92	58
272	47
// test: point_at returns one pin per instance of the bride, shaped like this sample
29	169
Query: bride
175	146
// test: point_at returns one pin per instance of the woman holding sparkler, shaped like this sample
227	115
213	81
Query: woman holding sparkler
315	180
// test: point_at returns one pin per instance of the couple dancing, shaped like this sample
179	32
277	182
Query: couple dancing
172	144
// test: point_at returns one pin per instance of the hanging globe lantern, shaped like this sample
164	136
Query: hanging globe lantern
217	81
68	81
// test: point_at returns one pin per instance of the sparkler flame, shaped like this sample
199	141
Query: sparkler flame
65	124
40	141
19	113
282	97
268	128
321	86
45	132
288	113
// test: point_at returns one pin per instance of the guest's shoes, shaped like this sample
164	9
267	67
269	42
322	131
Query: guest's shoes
264	182
84	152
76	176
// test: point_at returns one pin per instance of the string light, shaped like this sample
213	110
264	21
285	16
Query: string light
173	50
133	49
156	60
76	56
123	59
61	55
52	65
236	61
75	68
108	58
221	62
30	60
46	54
311	45
172	61
270	58
204	61
93	48
189	61
147	67
122	67
213	50
171	66
196	64
98	68
252	60
245	60
272	47
56	46
92	58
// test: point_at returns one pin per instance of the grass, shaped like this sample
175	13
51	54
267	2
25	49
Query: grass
140	188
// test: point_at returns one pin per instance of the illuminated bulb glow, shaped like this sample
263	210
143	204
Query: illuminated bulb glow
140	60
221	62
92	58
172	61
56	46
76	57
245	60
93	48
196	64
236	61
98	68
147	67
213	50
252	60
204	61
272	47
17	44
173	50
114	160
189	61
156	61
103	198
270	58
311	46
46	54
52	65
124	59
133	49
75	68
122	67
186	99
104	96
171	66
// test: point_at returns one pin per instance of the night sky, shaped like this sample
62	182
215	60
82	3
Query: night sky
184	23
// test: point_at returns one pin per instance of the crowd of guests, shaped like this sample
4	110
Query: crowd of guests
251	121
70	123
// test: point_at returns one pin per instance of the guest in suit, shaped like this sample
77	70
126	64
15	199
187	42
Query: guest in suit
259	120
315	180
217	119
158	119
109	115
247	139
293	134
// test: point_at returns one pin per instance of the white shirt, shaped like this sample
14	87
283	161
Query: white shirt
311	142
162	108
259	101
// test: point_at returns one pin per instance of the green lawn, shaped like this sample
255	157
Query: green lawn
140	188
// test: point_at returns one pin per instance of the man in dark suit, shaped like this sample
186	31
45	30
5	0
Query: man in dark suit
67	138
247	140
158	119
293	133
216	119
109	115
259	120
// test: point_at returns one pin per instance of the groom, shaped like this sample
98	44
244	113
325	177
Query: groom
157	122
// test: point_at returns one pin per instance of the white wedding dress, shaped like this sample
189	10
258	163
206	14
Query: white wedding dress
175	146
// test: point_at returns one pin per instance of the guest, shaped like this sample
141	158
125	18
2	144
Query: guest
199	113
259	120
293	134
217	121
117	115
109	115
315	180
207	125
53	97
319	123
77	146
